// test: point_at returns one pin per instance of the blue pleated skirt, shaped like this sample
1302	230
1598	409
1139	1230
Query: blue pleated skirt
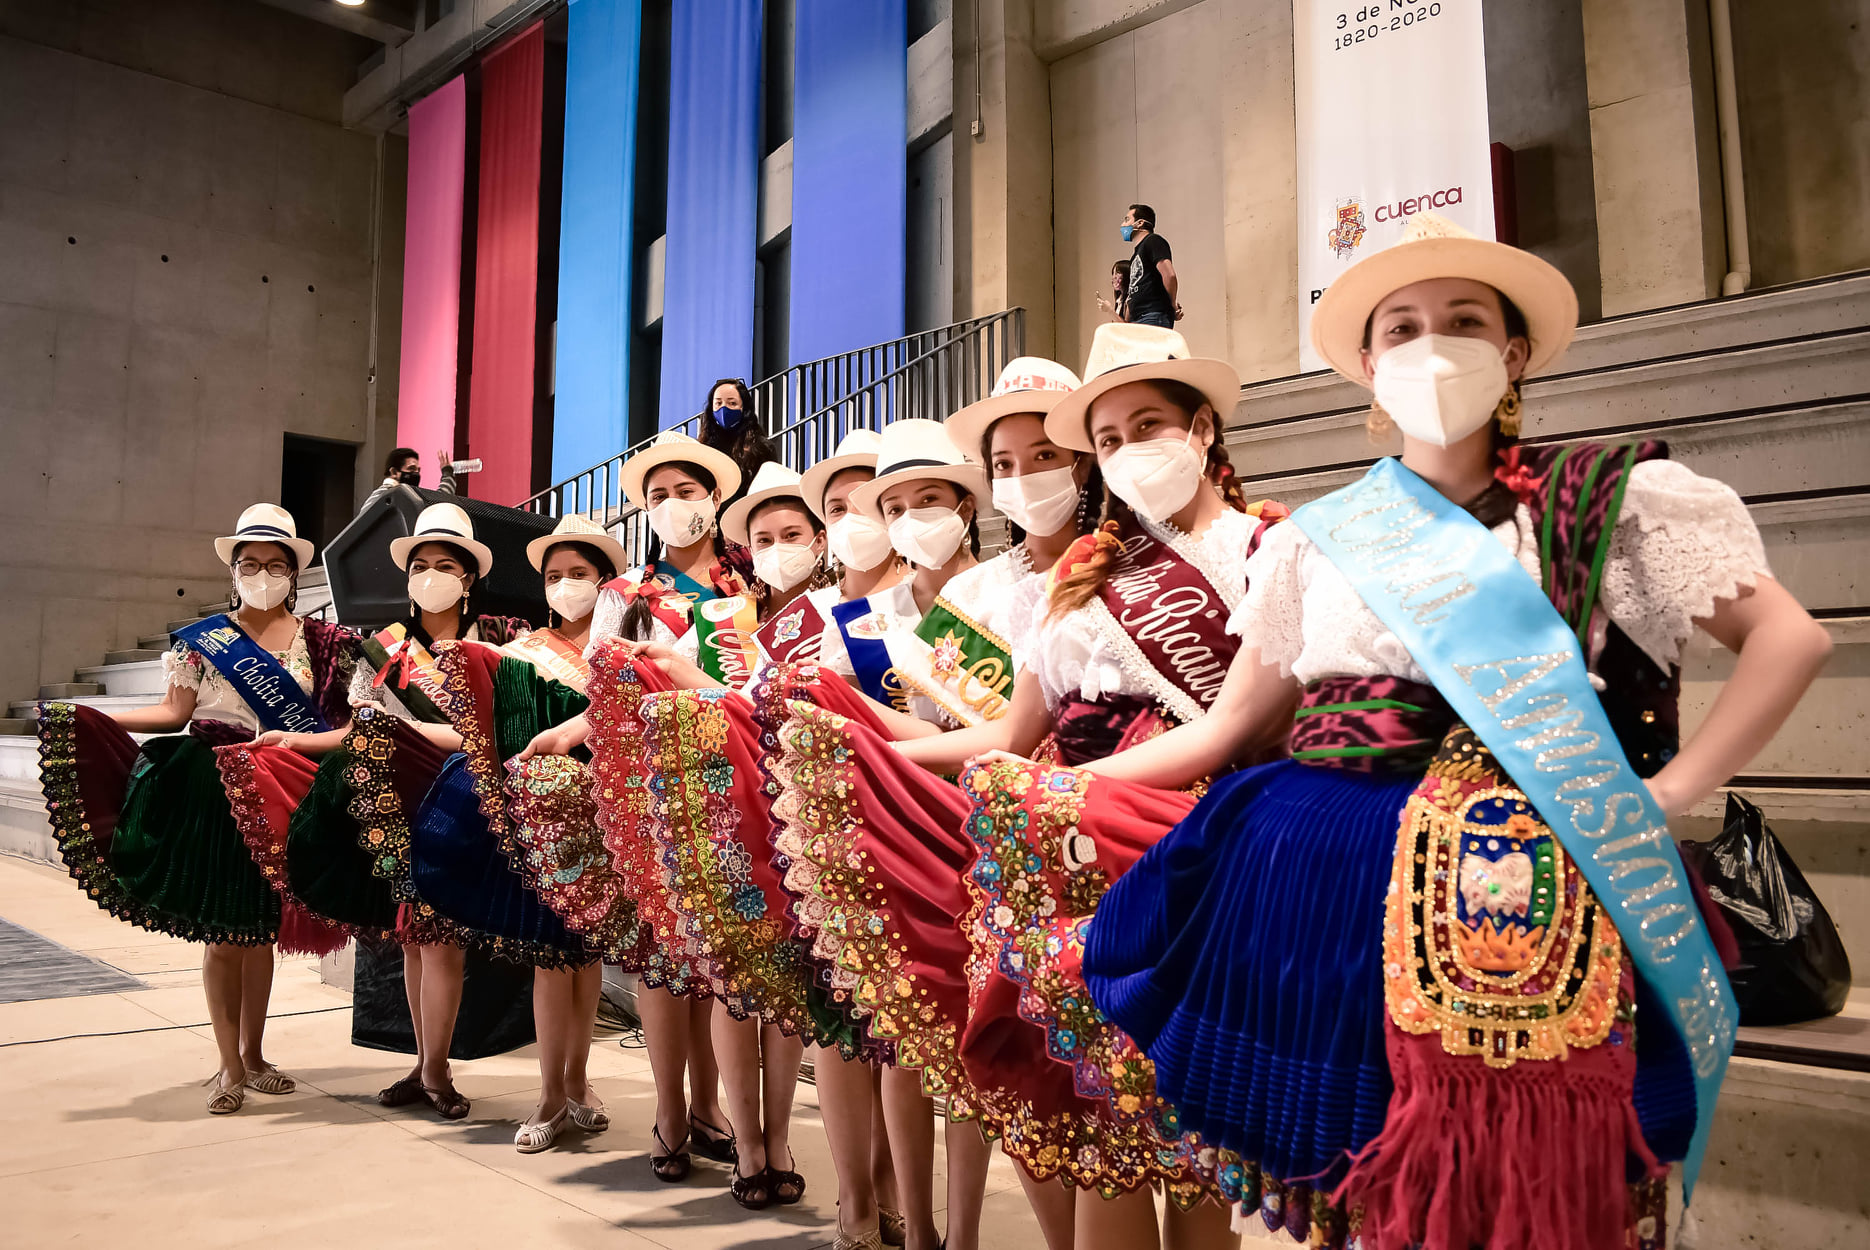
459	868
1243	952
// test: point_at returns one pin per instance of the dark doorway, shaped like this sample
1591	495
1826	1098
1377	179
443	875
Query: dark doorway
316	483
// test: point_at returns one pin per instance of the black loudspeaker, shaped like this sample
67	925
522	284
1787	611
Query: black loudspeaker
369	591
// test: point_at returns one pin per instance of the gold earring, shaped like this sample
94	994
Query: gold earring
1507	412
1378	423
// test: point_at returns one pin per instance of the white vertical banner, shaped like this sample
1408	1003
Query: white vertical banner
1392	121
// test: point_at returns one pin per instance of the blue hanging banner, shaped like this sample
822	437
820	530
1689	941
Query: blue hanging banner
850	175
713	209
1506	661
591	411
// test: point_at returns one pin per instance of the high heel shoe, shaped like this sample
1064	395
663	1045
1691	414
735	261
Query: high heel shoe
671	1166
754	1192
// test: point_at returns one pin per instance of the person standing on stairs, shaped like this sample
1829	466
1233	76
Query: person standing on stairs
148	830
731	425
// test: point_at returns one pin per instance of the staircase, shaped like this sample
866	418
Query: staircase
1770	392
126	679
809	407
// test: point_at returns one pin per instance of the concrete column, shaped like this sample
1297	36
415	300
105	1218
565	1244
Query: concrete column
1259	178
1655	152
1003	173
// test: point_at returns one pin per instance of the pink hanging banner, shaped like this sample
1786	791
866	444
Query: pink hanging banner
425	406
506	268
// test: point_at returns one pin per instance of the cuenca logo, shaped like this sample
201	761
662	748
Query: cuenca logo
1348	230
1421	203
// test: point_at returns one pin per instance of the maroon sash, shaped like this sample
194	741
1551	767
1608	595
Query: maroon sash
793	634
1173	619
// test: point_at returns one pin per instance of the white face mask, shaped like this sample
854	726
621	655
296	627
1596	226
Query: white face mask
434	590
784	565
264	591
1438	388
859	542
572	597
1158	476
1039	503
682	522
928	536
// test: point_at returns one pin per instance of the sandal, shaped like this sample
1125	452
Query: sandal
744	1189
446	1103
404	1093
591	1116
713	1143
670	1166
270	1080
535	1136
872	1240
225	1100
786	1186
893	1226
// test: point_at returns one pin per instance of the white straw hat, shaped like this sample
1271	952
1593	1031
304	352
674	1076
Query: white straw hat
577	529
856	450
443	523
773	481
1434	247
1027	384
672	445
266	523
913	449
1121	353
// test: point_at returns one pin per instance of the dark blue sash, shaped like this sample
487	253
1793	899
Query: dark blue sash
870	658
261	681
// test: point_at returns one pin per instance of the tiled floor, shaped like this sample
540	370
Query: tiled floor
104	1140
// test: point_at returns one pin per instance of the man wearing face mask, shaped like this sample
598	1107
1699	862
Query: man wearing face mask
1151	297
403	467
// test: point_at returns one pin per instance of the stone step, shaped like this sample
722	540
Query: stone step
19	759
186	621
155	642
69	689
102	702
141	677
13	726
136	655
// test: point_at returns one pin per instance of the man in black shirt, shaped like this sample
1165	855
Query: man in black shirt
1150	299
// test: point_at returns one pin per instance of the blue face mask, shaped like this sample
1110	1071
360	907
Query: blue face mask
728	417
1126	232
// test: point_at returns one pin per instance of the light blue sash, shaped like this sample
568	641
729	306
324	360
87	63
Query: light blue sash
1499	652
260	680
870	655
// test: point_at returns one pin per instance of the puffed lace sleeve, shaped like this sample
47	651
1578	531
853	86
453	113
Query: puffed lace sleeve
688	646
832	653
182	667
1025	611
606	619
1682	543
363	690
1271	615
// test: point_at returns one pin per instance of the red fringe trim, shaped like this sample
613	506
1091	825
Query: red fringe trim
1530	1157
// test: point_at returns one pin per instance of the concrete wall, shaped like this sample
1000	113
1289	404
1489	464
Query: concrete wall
1802	69
185	276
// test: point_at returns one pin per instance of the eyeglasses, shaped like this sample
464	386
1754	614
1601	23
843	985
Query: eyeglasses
253	568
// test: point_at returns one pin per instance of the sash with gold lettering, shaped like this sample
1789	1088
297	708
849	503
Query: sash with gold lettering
793	633
725	629
260	680
554	655
1166	621
407	666
956	663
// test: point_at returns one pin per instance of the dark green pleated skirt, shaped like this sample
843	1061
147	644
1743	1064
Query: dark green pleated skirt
326	864
177	853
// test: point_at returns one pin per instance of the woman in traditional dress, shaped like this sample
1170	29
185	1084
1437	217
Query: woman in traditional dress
148	831
1094	676
1481	1026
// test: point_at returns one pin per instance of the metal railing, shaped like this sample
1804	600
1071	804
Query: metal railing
809	407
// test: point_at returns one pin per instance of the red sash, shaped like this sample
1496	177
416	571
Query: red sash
666	604
793	634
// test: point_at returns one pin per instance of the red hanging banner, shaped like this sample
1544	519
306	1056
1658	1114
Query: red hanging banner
506	268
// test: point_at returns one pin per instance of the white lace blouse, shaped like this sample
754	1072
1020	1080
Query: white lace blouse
1074	659
1682	543
215	698
607	622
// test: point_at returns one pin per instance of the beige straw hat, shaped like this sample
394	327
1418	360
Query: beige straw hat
1027	384
1122	353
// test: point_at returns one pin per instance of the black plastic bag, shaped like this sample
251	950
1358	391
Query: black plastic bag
1792	963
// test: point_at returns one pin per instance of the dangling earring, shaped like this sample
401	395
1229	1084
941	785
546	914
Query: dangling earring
1378	423
292	598
233	599
1507	412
